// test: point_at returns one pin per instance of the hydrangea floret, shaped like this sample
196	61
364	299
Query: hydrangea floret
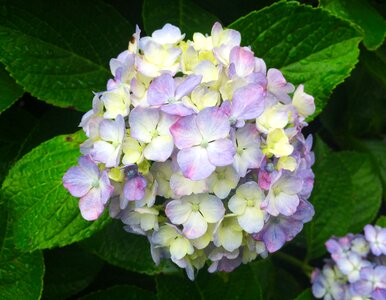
357	268
197	146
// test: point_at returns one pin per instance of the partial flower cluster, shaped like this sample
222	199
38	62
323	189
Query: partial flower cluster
357	269
196	145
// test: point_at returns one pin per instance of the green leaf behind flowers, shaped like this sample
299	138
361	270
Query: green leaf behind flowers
45	214
346	196
59	50
122	292
125	250
305	295
185	14
9	90
381	221
363	14
68	271
21	274
308	45
261	279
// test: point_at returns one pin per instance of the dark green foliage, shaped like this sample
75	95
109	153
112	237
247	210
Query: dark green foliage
59	52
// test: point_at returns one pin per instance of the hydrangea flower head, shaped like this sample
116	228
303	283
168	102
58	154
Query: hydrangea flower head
357	269
203	147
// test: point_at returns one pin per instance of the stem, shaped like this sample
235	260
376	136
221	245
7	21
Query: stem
307	269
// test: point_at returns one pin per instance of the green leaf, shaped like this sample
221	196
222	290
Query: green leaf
125	250
308	45
9	90
228	11
45	214
305	295
18	123
123	292
375	63
185	14
260	279
26	131
381	221
59	50
377	151
320	149
276	283
366	194
68	271
21	274
347	115
346	196
239	284
363	14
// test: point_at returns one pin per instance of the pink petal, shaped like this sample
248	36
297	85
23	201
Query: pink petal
134	188
213	123
91	206
105	187
286	204
187	86
161	90
178	211
194	163
77	181
278	86
260	66
177	109
221	152
243	60
195	226
142	122
248	102
185	132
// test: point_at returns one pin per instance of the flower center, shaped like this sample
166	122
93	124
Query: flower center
221	176
95	183
195	207
154	133
204	144
250	202
240	150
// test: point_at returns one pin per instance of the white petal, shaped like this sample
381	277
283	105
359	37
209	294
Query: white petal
178	211
159	149
252	220
237	204
142	122
211	208
183	186
195	226
180	247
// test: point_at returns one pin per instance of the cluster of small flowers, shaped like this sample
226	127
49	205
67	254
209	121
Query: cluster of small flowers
198	147
357	269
